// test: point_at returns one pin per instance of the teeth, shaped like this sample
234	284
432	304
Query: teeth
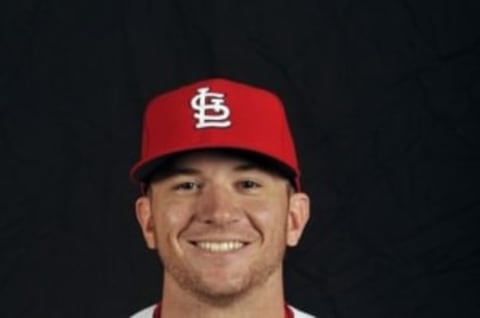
220	246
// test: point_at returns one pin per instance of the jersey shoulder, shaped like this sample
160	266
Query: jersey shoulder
297	313
145	313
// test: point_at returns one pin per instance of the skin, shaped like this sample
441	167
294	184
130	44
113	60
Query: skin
203	201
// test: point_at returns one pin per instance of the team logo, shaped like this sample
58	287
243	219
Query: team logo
210	109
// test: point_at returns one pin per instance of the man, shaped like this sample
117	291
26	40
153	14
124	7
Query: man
221	200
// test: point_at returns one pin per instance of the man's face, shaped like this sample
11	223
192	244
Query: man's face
220	223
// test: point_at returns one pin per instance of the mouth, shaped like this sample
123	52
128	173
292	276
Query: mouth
220	246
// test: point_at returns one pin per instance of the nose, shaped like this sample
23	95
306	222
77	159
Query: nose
217	205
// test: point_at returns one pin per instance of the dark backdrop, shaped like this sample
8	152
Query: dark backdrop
384	101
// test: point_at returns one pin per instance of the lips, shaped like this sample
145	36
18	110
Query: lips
220	246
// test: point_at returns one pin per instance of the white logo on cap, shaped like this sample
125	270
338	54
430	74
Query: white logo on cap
210	109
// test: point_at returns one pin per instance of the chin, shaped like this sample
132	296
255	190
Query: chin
222	285
222	288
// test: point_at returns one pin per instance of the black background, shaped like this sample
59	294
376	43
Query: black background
383	98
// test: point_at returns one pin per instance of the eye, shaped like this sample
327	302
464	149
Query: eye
187	186
249	184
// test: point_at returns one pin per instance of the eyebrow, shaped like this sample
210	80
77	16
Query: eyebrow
248	166
192	171
176	170
173	170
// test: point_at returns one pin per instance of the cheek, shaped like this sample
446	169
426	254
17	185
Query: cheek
268	215
170	217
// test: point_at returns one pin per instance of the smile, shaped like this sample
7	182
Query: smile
220	247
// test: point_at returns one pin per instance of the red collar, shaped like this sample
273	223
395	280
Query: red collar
158	311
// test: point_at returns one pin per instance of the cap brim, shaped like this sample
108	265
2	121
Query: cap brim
143	171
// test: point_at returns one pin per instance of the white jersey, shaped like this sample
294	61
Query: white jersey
148	313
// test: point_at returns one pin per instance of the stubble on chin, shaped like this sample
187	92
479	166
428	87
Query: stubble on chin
218	294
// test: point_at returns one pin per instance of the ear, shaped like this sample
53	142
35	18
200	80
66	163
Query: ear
298	215
144	214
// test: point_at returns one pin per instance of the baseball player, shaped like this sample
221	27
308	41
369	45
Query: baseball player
220	200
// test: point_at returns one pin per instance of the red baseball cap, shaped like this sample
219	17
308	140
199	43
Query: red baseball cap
217	114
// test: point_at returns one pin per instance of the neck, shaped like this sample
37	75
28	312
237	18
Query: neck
266	300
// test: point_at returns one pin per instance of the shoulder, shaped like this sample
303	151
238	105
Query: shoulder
297	313
145	313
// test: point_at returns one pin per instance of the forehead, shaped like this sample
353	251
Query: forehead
213	159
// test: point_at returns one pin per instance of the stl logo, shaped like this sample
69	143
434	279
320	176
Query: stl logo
210	109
